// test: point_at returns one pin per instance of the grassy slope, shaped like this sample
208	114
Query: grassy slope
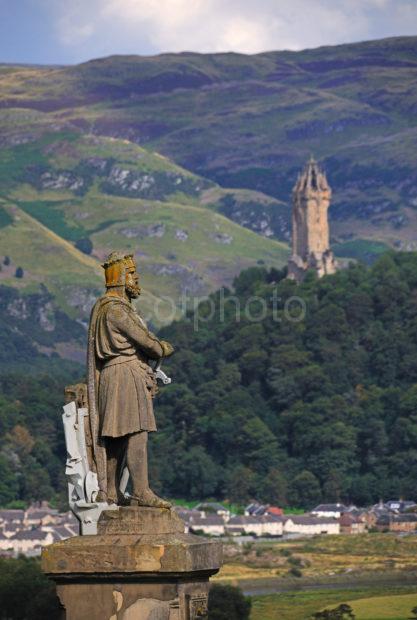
322	558
251	121
245	121
384	607
48	259
195	250
373	603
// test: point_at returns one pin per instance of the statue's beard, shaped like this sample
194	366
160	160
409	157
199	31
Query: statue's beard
133	290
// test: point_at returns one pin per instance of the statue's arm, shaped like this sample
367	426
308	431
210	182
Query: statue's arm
127	324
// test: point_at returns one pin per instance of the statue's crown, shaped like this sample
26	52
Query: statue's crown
116	266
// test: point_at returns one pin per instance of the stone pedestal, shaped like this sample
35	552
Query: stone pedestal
140	566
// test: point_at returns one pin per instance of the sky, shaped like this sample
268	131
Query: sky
72	31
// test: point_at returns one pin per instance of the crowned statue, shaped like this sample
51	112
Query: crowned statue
133	558
121	383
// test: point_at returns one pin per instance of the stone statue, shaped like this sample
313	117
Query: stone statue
121	385
133	558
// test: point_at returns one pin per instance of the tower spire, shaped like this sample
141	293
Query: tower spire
310	227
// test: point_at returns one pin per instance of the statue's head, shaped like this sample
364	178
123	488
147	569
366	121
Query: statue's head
120	272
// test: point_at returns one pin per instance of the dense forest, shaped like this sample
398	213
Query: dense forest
296	412
309	393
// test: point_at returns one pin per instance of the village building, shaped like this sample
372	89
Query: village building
403	523
12	516
305	525
310	226
60	532
9	529
264	525
212	525
400	505
256	509
274	511
5	544
30	542
329	510
351	524
209	508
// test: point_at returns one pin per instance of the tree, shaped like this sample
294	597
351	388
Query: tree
197	474
414	612
305	490
273	488
240	484
85	245
9	486
342	612
19	272
25	592
228	603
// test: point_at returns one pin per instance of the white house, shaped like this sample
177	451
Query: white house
9	529
5	543
12	516
60	532
329	510
28	541
213	508
212	525
305	525
36	517
265	525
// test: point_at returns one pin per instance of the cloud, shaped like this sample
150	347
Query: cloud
248	26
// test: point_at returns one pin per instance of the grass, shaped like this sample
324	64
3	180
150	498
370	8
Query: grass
384	607
212	253
115	222
353	104
368	603
47	258
323	558
365	250
53	214
5	219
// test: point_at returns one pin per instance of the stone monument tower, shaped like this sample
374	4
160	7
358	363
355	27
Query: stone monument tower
310	226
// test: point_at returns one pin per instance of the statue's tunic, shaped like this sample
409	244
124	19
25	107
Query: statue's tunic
126	383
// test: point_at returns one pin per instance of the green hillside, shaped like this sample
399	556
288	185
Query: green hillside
250	122
67	200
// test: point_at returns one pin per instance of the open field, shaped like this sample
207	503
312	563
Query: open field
374	603
311	574
321	557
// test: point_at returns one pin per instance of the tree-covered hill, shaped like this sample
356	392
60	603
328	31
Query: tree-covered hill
297	411
308	393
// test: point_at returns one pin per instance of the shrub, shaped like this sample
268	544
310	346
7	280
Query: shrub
295	572
228	603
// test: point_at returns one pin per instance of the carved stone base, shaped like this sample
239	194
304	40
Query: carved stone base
140	566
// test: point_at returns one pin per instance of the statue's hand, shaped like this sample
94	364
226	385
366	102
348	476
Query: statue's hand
167	348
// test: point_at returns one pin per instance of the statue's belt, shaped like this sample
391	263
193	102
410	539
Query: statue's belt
124	359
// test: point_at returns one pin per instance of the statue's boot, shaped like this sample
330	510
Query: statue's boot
102	497
148	498
137	463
